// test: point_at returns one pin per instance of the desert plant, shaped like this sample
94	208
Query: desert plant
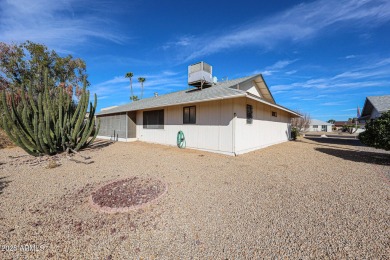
350	128
294	133
142	80
49	123
19	63
301	124
130	76
377	133
134	98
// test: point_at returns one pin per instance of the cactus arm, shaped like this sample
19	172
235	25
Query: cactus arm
94	136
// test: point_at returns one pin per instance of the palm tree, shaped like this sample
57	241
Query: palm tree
134	98
142	80
130	76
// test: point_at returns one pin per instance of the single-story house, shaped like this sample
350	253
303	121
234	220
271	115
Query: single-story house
374	106
318	125
339	124
230	117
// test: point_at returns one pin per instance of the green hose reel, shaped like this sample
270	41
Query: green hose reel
181	141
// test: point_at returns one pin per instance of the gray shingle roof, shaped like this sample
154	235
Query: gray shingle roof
318	122
218	91
380	103
222	90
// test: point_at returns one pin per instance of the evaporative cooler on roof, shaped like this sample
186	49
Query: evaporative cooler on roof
200	75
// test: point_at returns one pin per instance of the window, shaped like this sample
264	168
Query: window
323	128
249	114
154	119
315	126
274	114
189	115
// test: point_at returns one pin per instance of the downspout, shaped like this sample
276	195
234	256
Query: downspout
234	133
127	125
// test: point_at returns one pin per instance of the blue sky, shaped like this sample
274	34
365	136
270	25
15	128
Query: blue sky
322	57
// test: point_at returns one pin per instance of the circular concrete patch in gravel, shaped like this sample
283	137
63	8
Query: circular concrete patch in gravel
128	194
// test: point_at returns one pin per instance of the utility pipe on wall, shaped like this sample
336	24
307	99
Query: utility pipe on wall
234	133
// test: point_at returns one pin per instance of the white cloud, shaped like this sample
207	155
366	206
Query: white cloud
276	67
281	64
332	103
59	24
339	90
180	42
297	24
350	109
291	72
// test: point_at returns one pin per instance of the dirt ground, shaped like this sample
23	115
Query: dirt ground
4	140
312	198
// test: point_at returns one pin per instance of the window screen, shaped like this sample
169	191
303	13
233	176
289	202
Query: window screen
189	115
274	114
154	119
249	114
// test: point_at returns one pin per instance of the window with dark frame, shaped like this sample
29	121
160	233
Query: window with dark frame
274	114
153	119
249	114
189	115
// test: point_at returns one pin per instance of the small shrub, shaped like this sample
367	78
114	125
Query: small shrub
294	133
52	164
377	132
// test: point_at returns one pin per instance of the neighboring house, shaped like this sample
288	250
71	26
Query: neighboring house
319	126
374	106
339	125
229	117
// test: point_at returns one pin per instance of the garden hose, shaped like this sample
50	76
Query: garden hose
181	141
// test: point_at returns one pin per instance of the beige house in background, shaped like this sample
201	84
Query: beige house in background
231	117
319	126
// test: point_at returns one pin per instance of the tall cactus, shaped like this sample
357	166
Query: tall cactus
50	123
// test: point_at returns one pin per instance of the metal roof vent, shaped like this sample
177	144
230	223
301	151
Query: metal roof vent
200	75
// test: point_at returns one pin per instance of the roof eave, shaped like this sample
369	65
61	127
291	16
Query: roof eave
176	104
273	105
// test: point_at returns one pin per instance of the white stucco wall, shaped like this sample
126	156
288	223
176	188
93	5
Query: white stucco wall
216	130
265	129
319	129
212	131
250	87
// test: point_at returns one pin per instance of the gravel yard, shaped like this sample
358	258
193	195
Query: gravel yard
313	198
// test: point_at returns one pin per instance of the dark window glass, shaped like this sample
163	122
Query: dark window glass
189	115
249	114
275	114
154	119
